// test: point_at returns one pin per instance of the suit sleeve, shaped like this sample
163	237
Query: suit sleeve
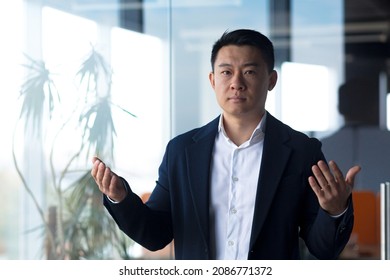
148	224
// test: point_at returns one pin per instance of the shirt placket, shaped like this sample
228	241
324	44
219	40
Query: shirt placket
232	235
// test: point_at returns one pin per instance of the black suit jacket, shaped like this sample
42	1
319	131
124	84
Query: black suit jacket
285	208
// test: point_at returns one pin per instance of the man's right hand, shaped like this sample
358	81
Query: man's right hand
108	182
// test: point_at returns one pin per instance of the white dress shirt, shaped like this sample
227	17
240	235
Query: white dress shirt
234	179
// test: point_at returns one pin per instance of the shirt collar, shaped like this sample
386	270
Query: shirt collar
257	135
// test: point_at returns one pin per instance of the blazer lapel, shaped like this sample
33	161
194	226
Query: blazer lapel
275	157
198	161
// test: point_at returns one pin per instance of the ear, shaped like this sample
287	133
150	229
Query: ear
212	79
272	79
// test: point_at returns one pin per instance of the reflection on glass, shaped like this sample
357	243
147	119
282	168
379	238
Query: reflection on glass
160	76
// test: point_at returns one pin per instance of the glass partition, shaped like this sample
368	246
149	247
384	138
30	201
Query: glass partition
84	80
119	78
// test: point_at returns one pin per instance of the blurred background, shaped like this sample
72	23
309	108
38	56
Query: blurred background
119	78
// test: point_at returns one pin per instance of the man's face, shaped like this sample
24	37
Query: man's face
241	81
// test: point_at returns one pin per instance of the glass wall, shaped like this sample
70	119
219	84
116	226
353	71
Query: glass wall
315	70
120	78
82	80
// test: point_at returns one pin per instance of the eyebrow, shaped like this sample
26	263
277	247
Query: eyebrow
255	64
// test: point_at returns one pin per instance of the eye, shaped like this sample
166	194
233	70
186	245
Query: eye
249	72
225	72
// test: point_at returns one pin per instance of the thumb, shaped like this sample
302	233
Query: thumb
350	177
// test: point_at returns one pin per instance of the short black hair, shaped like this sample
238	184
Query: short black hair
246	37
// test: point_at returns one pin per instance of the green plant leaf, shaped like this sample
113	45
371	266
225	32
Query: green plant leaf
36	89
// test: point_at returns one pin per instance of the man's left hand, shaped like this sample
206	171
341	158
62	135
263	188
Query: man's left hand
330	186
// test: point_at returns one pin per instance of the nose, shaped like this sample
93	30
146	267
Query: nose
237	83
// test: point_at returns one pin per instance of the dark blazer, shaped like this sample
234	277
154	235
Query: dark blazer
286	207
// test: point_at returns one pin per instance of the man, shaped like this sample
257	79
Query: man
244	186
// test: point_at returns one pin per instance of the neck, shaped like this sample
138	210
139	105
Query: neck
239	130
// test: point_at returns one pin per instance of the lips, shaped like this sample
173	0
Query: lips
237	98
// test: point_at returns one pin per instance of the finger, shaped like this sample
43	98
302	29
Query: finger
107	176
315	186
95	158
350	177
101	168
329	176
338	175
95	167
320	176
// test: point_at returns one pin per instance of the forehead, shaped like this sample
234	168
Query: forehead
233	54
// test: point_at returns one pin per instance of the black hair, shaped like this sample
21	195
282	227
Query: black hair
246	37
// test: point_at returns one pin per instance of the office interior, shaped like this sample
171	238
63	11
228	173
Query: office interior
122	77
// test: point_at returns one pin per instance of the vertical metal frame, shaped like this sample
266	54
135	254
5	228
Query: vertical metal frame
385	221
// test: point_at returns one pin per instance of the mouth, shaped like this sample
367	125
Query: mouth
237	98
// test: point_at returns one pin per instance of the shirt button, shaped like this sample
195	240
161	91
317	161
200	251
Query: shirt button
233	211
231	243
235	179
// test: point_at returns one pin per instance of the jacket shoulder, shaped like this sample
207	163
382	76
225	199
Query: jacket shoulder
196	134
279	129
